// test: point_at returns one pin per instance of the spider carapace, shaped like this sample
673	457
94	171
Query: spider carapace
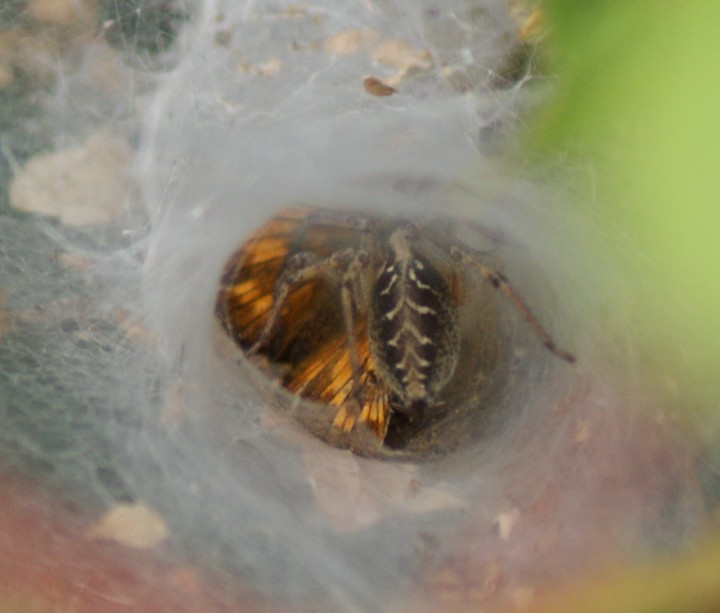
359	319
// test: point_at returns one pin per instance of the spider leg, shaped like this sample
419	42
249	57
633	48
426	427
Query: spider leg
499	281
303	267
348	414
300	268
466	255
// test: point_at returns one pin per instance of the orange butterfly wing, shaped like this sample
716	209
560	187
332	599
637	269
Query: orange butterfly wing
309	347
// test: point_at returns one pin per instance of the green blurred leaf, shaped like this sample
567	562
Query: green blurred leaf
639	101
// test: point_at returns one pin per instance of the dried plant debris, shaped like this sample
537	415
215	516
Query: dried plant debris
375	87
83	185
133	525
64	13
394	53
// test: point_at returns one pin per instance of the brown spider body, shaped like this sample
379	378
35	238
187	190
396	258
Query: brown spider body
360	314
413	324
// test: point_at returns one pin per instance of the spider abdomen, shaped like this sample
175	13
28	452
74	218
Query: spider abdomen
414	331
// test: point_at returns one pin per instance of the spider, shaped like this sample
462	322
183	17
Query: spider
357	311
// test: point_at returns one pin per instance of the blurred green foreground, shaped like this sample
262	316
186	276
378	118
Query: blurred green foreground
638	109
639	105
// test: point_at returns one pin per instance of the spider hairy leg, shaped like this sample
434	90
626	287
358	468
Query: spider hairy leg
500	282
347	415
300	268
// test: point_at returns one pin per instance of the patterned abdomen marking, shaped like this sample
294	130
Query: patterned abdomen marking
414	331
